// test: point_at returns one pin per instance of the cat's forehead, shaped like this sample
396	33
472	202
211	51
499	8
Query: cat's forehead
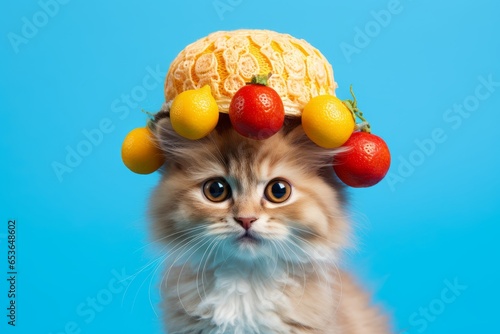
252	163
288	154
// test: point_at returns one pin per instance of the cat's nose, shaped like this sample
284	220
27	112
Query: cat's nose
245	222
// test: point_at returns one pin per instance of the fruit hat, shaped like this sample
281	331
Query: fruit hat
258	77
226	60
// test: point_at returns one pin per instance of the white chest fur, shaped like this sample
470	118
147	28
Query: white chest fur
244	301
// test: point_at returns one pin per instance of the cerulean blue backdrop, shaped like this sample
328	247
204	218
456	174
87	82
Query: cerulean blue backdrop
426	73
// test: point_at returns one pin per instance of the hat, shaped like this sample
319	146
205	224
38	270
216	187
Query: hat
226	60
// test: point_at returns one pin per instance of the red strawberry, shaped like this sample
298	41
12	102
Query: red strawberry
256	111
365	163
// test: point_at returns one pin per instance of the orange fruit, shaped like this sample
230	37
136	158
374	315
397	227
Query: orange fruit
194	113
327	121
140	151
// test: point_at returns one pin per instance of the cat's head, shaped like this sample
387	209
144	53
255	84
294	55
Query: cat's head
248	199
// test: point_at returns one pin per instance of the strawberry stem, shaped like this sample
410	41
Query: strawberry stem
260	79
352	105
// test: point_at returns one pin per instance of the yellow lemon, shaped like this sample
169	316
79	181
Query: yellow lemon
140	151
327	121
194	113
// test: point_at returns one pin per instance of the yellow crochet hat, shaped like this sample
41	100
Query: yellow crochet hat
226	60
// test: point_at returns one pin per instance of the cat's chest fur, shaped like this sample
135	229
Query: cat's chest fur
239	300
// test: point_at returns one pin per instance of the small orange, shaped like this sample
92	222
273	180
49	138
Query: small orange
327	121
140	151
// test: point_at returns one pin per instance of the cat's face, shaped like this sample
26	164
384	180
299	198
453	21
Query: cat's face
247	199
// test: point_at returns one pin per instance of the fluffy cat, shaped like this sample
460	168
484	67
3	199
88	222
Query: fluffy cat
254	231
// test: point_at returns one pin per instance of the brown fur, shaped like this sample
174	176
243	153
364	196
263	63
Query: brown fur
304	237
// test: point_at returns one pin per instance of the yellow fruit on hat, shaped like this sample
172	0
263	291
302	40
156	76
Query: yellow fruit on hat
194	113
140	151
327	121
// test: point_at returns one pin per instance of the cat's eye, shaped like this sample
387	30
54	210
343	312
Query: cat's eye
216	190
278	191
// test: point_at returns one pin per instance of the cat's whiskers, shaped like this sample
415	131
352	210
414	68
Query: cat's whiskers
209	250
135	276
303	271
292	262
180	247
313	248
312	260
321	278
158	240
217	246
159	262
220	229
316	235
271	242
340	289
286	263
161	257
182	269
194	239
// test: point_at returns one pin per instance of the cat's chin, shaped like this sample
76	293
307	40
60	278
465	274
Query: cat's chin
248	238
249	247
248	242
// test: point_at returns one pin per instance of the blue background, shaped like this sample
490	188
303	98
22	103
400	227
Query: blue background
432	223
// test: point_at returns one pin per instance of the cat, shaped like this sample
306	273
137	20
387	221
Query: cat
254	231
